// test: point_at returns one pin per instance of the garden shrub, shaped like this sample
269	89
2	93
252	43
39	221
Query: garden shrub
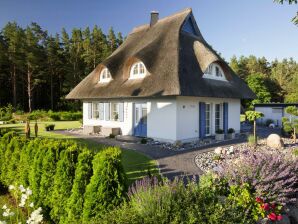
58	172
273	176
83	174
175	202
107	186
63	181
268	122
49	127
49	163
35	171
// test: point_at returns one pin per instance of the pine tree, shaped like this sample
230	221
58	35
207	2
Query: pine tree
112	40
33	56
13	35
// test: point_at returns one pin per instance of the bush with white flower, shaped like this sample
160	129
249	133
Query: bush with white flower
21	196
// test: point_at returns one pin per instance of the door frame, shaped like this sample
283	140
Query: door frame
135	123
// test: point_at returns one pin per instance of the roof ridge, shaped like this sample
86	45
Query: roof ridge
144	26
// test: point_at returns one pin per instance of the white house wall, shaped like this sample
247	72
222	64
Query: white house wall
161	122
188	115
126	126
161	118
169	119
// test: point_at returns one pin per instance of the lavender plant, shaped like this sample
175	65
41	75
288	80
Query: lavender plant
273	176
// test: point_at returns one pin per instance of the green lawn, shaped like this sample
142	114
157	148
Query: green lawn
59	125
136	165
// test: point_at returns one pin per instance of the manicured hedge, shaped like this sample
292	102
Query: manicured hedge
61	175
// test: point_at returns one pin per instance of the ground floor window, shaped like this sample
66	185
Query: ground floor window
95	111
109	111
218	117
208	119
115	111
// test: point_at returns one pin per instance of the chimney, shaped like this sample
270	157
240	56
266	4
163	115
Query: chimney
154	18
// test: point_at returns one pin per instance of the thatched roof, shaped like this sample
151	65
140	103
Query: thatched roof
174	59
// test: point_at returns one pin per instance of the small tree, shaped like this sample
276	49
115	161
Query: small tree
253	116
290	124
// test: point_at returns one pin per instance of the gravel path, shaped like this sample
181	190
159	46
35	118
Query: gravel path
171	163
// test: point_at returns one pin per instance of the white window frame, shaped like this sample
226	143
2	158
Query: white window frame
210	119
138	70
214	71
220	118
95	111
113	112
105	76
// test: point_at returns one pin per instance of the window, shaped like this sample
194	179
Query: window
101	111
105	76
95	112
208	119
214	71
217	117
115	111
138	70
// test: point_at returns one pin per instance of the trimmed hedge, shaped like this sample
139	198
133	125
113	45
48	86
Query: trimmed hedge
61	176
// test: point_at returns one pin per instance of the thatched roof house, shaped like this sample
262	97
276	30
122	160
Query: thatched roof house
166	60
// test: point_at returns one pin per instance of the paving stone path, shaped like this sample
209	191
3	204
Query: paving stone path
171	163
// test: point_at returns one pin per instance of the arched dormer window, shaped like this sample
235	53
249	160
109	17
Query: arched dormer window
214	71
105	75
138	70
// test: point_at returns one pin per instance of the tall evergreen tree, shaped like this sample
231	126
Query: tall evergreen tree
14	38
112	40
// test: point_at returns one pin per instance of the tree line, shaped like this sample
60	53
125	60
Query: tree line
275	81
37	69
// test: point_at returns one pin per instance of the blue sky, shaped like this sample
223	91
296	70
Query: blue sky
232	27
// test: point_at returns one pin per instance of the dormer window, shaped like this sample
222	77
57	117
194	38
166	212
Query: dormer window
214	71
138	70
105	75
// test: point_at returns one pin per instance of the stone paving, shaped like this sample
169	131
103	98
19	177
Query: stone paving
171	163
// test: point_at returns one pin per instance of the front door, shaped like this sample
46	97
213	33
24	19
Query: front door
140	119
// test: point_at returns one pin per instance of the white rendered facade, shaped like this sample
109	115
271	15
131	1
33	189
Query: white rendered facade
170	118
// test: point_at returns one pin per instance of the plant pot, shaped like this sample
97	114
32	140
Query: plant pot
219	137
231	135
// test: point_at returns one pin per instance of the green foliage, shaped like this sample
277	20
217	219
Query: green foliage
219	131
6	113
295	152
63	181
268	122
251	140
107	186
83	174
55	63
257	84
143	141
290	124
49	127
231	131
174	202
58	173
253	115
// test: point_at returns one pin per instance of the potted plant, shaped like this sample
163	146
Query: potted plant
219	135
231	133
